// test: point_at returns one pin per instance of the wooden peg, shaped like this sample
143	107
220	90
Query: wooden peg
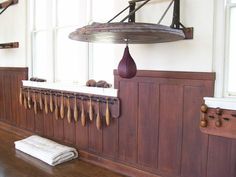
98	119
75	110
45	103
218	111
107	113
40	101
204	108
56	109
90	109
35	103
62	106
218	122
29	99
21	97
83	117
51	102
68	110
25	101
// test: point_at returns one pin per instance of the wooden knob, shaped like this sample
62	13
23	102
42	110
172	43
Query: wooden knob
218	123
204	108
203	123
218	111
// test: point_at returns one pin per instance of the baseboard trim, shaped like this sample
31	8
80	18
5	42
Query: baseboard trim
114	166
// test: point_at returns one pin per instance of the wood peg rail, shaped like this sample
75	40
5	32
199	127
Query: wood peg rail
83	107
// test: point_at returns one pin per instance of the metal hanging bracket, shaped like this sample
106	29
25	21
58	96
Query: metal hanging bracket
4	5
135	32
176	24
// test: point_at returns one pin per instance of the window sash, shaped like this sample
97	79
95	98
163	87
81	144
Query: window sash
228	78
53	28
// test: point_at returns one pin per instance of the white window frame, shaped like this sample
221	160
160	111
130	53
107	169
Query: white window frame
229	5
30	38
220	48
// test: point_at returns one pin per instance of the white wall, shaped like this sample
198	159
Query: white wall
187	55
13	29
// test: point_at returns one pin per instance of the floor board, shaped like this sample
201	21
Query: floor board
14	163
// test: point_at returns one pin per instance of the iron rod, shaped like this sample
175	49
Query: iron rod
176	15
135	10
164	14
6	8
118	14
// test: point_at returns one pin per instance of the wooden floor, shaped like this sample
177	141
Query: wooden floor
14	163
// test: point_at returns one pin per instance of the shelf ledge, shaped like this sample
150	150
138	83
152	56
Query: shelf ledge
223	103
72	88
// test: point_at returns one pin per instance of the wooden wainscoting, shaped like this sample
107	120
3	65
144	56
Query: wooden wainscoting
157	133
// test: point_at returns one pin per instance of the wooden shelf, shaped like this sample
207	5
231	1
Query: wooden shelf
7	3
9	45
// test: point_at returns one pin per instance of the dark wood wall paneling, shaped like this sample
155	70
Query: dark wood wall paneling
157	132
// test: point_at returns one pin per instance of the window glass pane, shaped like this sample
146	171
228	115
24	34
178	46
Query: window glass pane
42	55
71	12
71	58
232	52
43	14
103	62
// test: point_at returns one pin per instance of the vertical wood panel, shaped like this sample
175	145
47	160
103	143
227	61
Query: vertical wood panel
194	156
7	97
110	139
14	91
148	124
69	131
128	121
48	124
95	138
219	157
21	116
81	136
233	159
30	120
58	129
2	103
39	122
170	128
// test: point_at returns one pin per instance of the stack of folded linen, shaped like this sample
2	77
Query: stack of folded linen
46	150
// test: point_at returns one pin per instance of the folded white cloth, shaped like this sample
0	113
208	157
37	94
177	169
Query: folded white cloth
46	150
